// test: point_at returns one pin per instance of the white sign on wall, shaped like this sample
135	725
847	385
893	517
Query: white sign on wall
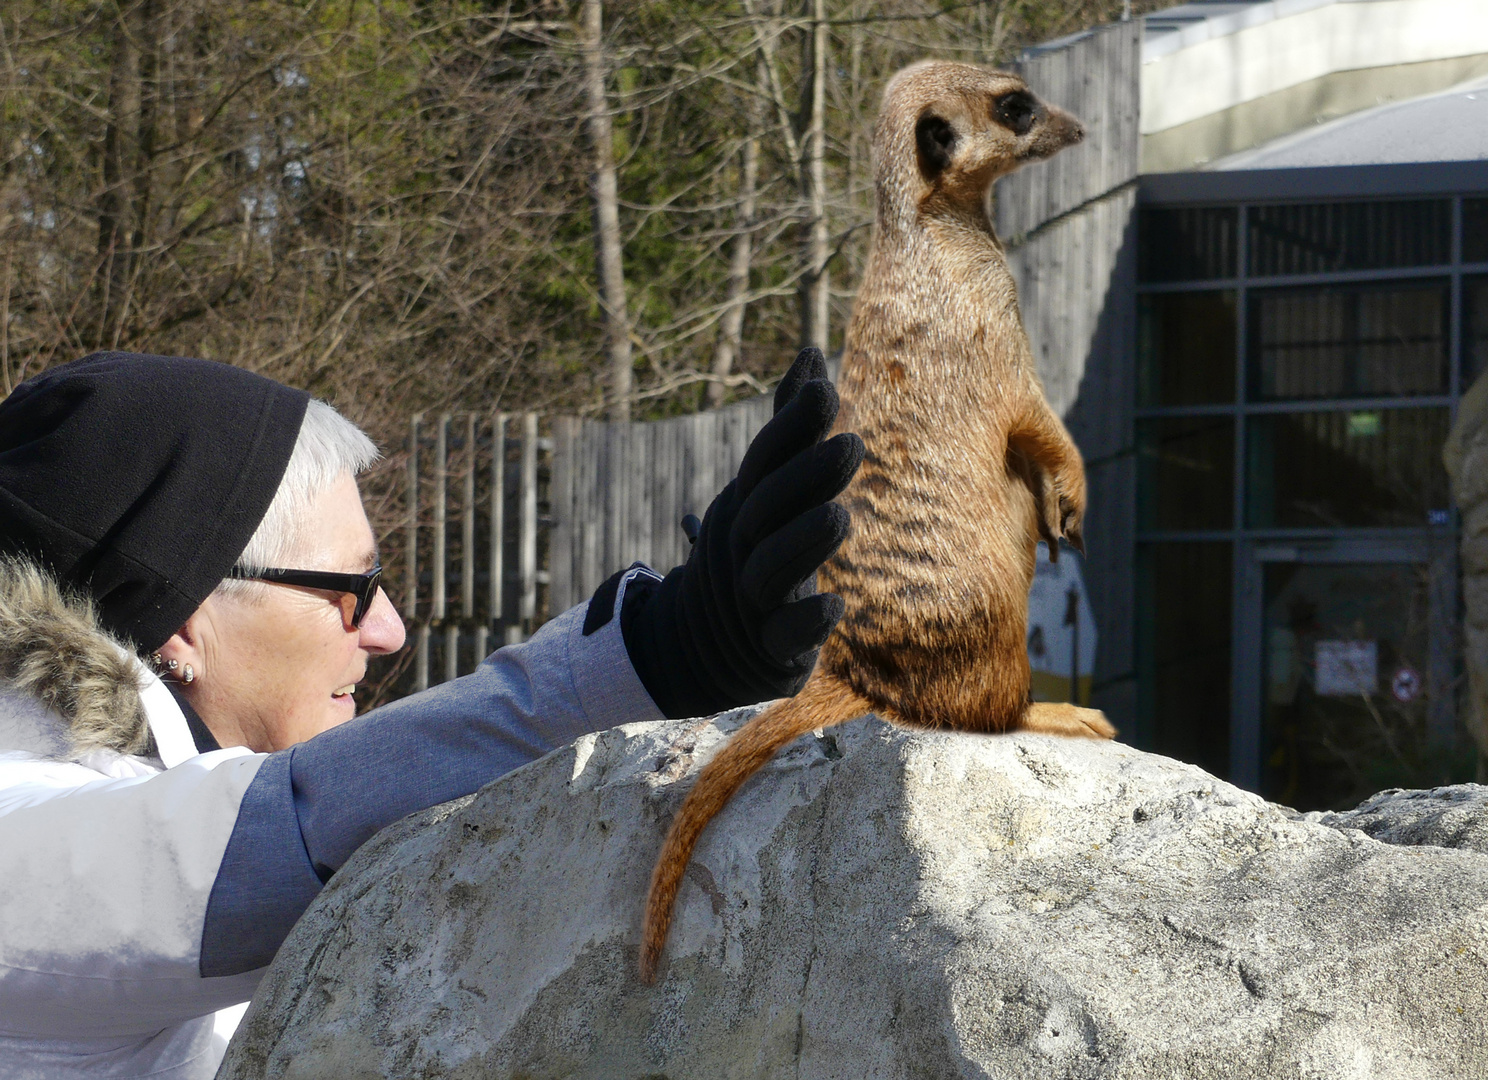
1346	668
1061	629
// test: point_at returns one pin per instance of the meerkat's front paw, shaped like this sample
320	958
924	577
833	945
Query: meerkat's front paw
1061	513
1062	718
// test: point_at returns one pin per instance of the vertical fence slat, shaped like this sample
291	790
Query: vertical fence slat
410	554
561	595
441	462
593	466
451	651
664	546
608	474
467	531
528	556
498	518
421	659
661	500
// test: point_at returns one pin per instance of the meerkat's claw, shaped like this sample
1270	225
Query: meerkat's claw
1051	520
1073	534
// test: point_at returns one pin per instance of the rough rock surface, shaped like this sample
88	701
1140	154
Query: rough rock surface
889	904
1451	817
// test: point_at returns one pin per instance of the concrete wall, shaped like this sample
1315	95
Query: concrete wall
1227	82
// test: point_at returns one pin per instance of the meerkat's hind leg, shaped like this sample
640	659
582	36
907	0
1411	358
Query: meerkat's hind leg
1062	718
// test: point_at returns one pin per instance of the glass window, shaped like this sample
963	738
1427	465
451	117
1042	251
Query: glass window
1346	648
1349	341
1187	244
1475	230
1183	651
1326	237
1342	469
1474	329
1186	472
1186	348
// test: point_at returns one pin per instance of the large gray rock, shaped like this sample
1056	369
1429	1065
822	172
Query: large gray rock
1452	817
889	904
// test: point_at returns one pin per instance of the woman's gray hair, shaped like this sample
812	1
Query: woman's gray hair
328	447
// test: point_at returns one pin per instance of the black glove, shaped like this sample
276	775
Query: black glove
741	621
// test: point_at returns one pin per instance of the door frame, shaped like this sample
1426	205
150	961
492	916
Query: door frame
1436	549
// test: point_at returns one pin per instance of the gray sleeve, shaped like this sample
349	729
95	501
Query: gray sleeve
313	805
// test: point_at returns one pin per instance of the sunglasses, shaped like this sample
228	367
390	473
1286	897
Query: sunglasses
361	586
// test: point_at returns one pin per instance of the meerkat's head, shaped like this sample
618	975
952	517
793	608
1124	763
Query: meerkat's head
948	130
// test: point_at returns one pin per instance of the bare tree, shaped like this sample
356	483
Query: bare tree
731	325
816	281
606	212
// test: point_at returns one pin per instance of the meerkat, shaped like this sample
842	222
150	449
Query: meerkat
967	466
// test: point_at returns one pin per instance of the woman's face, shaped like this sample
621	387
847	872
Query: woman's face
275	669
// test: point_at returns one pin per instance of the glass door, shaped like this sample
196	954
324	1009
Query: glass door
1346	662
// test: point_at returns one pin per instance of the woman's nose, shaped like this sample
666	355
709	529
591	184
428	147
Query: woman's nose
382	630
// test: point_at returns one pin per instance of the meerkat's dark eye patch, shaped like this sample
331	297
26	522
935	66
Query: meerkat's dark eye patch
936	140
1017	111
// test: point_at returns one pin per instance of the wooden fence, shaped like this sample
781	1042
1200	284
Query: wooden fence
471	552
512	519
620	490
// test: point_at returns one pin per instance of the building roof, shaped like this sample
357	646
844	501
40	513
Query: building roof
1207	56
1219	77
1175	28
1451	125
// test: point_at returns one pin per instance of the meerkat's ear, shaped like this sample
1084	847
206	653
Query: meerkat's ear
936	140
1017	111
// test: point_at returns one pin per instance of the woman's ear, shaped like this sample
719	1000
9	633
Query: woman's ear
182	657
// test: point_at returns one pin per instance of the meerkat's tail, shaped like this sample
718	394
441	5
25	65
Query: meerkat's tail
823	702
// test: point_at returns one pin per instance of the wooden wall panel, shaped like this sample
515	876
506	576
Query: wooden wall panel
626	488
1096	77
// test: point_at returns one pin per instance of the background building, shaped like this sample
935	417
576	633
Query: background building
1282	333
1256	292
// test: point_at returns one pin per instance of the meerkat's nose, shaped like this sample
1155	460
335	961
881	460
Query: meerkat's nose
1070	129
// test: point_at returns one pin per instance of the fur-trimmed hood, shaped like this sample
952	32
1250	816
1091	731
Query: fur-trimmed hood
53	650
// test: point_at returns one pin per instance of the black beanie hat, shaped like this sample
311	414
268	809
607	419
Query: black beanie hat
140	479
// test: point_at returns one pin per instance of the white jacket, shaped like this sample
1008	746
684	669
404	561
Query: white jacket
110	862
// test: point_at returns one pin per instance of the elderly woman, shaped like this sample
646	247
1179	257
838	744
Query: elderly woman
188	598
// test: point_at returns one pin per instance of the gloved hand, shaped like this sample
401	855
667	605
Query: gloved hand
741	621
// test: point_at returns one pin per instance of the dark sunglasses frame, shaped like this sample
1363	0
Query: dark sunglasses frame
362	586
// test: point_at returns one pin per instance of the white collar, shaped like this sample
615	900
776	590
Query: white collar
173	739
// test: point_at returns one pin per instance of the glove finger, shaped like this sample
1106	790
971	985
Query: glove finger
789	556
726	650
809	364
713	572
732	674
792	632
802	422
727	633
814	476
